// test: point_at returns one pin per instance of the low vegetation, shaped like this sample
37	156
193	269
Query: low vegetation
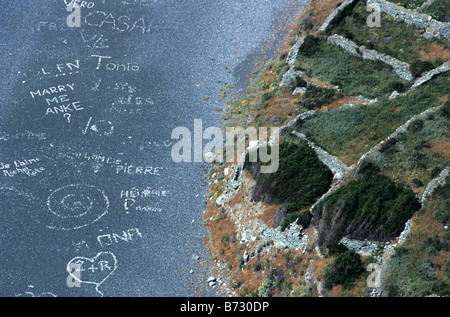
438	10
421	266
416	157
350	132
371	207
300	180
393	37
346	268
337	67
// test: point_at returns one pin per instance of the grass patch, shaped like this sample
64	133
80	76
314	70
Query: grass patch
421	266
352	74
415	158
350	132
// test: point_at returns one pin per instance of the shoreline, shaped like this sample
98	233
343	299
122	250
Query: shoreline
220	279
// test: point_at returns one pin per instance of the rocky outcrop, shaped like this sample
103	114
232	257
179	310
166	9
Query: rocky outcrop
431	27
233	184
402	69
290	77
292	237
363	248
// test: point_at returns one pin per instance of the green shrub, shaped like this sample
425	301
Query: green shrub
225	240
300	82
344	14
372	207
445	110
420	67
415	126
426	270
447	270
368	169
345	270
394	84
310	45
301	177
316	97
293	213
266	96
417	182
443	216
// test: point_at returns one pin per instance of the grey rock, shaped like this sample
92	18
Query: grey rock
211	281
292	56
195	256
394	94
362	247
279	216
299	90
246	256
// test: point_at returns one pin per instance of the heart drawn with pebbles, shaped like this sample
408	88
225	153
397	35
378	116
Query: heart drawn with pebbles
94	270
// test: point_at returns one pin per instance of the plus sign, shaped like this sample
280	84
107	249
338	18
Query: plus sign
92	268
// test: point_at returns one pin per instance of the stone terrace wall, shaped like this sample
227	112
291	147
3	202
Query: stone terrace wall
333	14
338	167
402	69
435	183
427	76
433	28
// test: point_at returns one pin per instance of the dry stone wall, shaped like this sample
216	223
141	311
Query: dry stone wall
333	14
427	76
402	69
431	27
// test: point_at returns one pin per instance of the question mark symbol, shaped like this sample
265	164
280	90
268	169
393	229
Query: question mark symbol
67	115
